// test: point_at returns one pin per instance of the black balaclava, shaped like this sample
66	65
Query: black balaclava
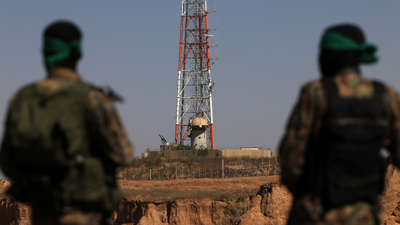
62	45
332	61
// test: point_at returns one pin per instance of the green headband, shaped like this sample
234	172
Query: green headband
60	50
335	41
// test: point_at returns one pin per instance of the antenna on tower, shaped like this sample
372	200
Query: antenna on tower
163	140
194	112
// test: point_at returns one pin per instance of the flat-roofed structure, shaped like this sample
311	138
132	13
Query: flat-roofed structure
249	148
244	152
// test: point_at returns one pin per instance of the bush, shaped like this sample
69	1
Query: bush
231	212
170	170
202	152
184	147
191	156
140	173
162	170
194	154
153	159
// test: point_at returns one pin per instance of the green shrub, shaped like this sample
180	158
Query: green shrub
162	170
183	147
153	159
202	152
191	156
140	173
231	212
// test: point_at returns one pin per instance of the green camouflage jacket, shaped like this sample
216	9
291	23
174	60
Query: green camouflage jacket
108	139
104	123
303	126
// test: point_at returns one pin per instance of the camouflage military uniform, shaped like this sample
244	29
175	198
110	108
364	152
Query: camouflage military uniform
105	129
304	124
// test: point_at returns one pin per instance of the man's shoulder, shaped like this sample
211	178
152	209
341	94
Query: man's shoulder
312	84
97	97
390	90
312	87
25	88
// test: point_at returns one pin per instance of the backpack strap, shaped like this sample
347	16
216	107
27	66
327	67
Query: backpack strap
379	90
330	88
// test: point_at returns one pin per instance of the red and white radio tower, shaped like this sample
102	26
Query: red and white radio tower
194	114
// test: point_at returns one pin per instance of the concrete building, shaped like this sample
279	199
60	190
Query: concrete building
251	153
249	148
198	133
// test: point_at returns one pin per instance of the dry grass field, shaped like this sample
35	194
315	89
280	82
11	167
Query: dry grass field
226	188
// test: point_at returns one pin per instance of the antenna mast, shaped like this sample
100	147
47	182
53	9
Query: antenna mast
194	98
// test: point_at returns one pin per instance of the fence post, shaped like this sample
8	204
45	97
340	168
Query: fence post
241	170
234	175
255	166
150	174
262	166
222	168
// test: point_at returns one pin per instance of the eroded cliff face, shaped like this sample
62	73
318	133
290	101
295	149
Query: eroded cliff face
195	211
14	213
270	205
389	200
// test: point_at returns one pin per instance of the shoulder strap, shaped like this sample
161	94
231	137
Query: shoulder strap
330	88
379	90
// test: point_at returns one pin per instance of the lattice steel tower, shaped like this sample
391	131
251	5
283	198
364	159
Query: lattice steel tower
194	99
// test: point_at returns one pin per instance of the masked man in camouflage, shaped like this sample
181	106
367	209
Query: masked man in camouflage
63	140
330	153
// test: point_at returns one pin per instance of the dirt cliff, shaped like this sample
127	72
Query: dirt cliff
389	200
14	213
269	206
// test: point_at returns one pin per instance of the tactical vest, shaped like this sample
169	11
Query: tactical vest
47	136
345	165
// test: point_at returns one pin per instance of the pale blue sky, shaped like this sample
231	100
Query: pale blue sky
267	50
